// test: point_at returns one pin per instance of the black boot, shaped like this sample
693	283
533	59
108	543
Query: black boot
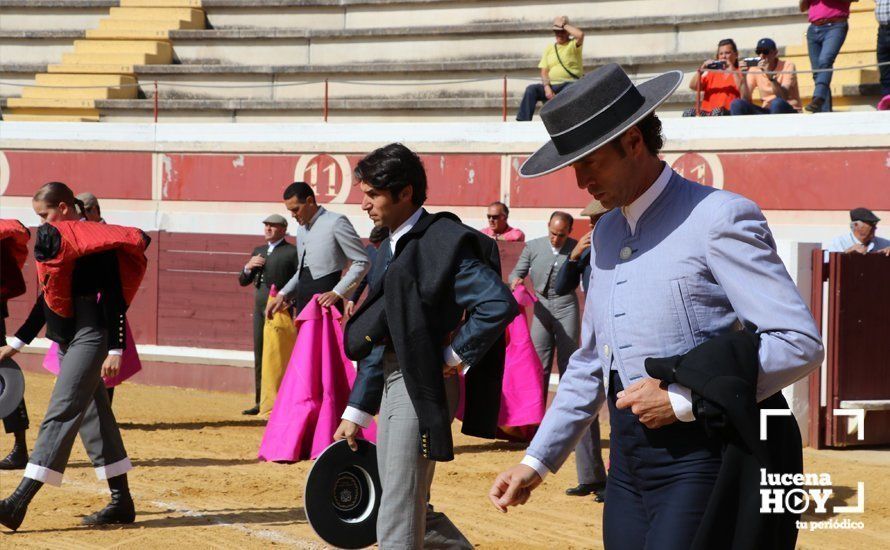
13	508
18	456
120	510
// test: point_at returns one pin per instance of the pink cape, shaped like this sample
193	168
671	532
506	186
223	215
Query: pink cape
313	392
130	362
522	394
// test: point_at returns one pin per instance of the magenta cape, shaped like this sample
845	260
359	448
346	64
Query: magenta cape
313	392
522	395
130	362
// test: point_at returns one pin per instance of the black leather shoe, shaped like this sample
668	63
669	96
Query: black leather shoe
13	508
120	510
251	412
815	106
17	458
116	513
584	489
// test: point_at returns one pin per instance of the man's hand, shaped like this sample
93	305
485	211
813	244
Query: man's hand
548	92
112	366
516	282
649	401
328	299
255	262
857	248
513	487
7	352
579	249
275	306
560	21
883	252
448	371
347	430
348	309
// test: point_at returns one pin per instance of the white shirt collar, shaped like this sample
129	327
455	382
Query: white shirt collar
869	246
633	211
273	245
404	228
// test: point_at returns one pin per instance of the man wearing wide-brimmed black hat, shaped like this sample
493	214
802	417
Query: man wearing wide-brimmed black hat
674	264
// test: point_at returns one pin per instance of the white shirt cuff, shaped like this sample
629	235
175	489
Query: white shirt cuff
357	416
452	359
537	465
115	352
681	402
16	344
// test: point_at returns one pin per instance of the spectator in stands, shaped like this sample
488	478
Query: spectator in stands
560	66
882	13
91	209
498	229
861	239
825	36
718	88
778	92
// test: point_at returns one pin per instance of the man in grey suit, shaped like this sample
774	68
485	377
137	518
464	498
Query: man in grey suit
554	329
673	265
273	263
326	244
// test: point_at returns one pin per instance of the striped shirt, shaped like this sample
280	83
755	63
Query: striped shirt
882	11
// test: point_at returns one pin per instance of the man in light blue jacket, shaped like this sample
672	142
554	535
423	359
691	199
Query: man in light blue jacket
673	265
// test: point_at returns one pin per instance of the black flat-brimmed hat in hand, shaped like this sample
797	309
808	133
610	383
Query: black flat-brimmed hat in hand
592	112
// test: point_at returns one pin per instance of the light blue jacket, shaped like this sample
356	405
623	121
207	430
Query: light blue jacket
701	260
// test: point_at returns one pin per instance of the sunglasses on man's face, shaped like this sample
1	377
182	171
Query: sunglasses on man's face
496	217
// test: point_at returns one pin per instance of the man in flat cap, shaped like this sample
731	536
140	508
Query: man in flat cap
673	265
91	210
273	263
861	239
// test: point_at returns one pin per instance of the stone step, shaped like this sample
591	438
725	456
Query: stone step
193	16
160	3
113	24
84	80
90	68
115	58
50	103
128	34
152	47
857	45
16	115
98	92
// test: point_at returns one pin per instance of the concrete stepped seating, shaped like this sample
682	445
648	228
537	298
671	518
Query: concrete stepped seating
606	37
100	67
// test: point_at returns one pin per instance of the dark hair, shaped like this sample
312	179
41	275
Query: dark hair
55	193
503	207
378	234
566	217
393	168
650	127
299	189
735	49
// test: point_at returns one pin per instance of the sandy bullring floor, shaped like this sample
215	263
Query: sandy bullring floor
197	484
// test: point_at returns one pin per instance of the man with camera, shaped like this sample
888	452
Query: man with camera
773	78
560	66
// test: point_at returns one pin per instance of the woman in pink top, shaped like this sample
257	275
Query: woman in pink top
825	36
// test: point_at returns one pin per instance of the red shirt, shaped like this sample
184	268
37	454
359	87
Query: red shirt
718	90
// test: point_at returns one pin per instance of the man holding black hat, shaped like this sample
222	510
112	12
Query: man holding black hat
673	265
438	308
861	239
273	263
778	92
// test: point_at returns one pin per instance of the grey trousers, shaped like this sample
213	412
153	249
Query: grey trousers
406	521
589	456
259	322
555	329
79	402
